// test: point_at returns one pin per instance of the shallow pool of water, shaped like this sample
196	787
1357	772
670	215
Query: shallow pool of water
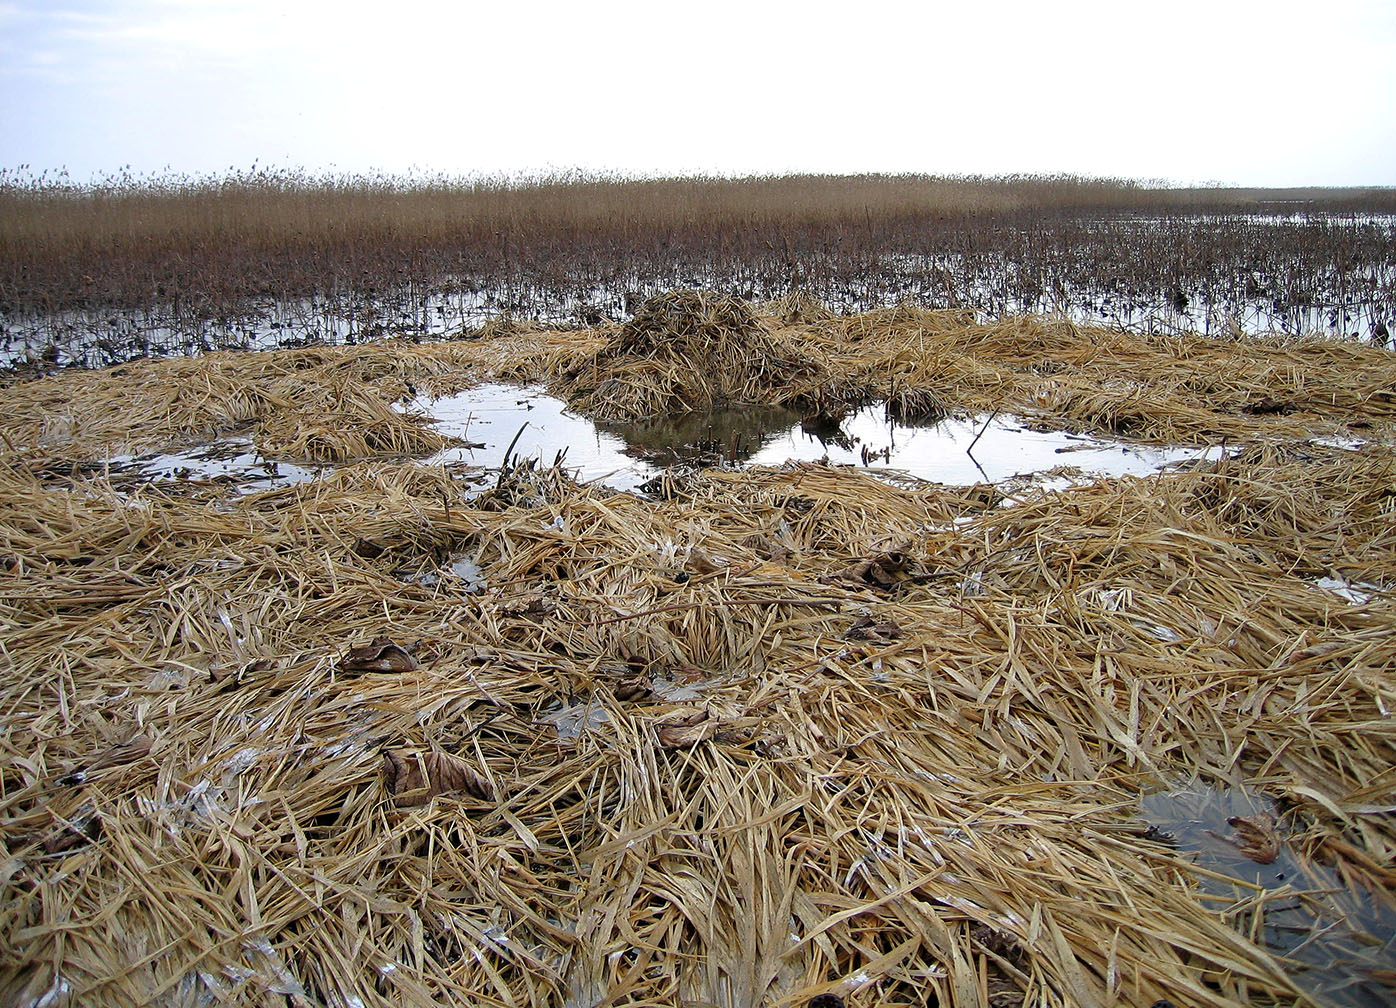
231	462
493	419
489	417
625	455
1335	941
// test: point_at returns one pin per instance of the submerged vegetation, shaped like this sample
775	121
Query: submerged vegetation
131	266
782	736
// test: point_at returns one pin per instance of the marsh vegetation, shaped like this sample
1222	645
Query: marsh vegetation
399	730
133	266
327	682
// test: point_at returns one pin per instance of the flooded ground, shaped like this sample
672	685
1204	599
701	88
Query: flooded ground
626	455
1339	943
491	418
103	338
233	463
1086	272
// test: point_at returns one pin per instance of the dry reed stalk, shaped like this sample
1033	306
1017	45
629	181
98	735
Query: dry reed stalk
948	808
198	251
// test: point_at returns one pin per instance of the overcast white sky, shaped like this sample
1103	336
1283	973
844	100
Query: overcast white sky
1256	92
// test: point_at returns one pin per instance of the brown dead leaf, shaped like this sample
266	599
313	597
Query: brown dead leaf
865	628
368	549
534	606
767	549
1255	837
883	571
414	779
1319	650
700	563
636	687
1267	406
379	655
685	672
685	728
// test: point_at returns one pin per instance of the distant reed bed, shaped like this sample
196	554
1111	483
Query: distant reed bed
201	248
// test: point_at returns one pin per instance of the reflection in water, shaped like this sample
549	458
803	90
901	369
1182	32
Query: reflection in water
826	429
491	416
626	455
733	434
1333	939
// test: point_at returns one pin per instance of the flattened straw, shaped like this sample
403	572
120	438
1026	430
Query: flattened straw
960	809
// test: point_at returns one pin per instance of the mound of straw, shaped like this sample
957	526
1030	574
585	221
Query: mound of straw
685	350
783	733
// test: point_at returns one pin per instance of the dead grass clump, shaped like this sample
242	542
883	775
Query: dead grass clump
686	350
693	314
317	403
342	423
506	325
790	732
1121	409
916	405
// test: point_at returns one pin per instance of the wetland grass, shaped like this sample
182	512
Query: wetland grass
131	267
786	732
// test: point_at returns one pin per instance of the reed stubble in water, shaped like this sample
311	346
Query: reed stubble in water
129	267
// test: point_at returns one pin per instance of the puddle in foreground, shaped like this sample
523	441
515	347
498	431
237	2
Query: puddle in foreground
1338	943
625	455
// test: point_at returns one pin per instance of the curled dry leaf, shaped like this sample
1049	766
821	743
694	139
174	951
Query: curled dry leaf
685	672
137	748
1255	837
883	571
533	606
416	778
700	563
368	549
767	549
636	687
685	728
379	655
865	628
1319	650
1266	406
